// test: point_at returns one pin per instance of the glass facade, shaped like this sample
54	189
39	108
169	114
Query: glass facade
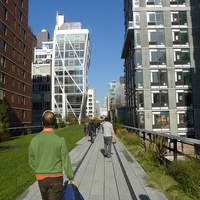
71	59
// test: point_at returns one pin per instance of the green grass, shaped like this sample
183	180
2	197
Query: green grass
15	172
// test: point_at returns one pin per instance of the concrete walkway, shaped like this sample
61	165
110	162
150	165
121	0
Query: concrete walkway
117	178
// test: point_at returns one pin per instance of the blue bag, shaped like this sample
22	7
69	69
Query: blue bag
71	192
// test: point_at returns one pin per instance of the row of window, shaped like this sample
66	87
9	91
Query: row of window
160	2
185	119
15	53
183	77
69	89
158	57
17	11
157	37
41	87
64	45
69	54
18	43
41	106
156	18
68	62
41	79
14	82
160	98
69	72
136	3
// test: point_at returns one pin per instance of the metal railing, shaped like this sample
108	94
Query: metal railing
175	145
18	131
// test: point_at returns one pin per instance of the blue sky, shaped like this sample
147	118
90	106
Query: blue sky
104	19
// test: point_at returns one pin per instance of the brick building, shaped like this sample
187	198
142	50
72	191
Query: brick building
16	52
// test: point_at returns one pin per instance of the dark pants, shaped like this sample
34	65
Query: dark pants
107	146
92	136
51	188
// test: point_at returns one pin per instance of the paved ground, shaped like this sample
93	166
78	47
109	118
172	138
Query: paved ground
117	178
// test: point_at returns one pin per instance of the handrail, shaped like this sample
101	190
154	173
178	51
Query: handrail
170	139
24	127
16	131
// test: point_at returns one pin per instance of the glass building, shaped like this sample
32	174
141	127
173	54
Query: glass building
70	64
161	64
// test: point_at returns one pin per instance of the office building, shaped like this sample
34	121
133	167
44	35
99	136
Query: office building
161	64
70	64
91	109
16	53
41	77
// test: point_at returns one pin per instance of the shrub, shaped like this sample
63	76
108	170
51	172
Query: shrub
71	120
4	122
187	173
116	124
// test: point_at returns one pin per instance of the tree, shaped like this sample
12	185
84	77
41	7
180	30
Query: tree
4	122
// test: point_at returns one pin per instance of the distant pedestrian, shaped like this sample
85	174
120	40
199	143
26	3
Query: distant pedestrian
48	156
92	131
108	133
85	130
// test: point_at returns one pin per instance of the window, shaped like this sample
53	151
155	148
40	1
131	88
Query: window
13	68
156	37
161	119
136	19
21	3
185	119
159	98
157	57
13	82
140	119
179	18
177	2
159	77
23	87
4	29
184	98
155	18
23	100
2	78
138	58
183	77
181	57
136	3
5	13
3	45
137	39
3	62
139	78
154	2
140	99
20	16
180	36
23	114
12	98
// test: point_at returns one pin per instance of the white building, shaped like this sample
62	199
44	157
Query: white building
70	64
91	110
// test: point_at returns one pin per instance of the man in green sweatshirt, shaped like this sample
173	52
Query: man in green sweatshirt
48	156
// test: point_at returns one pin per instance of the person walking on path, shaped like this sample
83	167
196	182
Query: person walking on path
108	133
92	131
85	130
48	156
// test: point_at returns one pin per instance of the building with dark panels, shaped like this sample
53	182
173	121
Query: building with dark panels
161	64
16	53
42	36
